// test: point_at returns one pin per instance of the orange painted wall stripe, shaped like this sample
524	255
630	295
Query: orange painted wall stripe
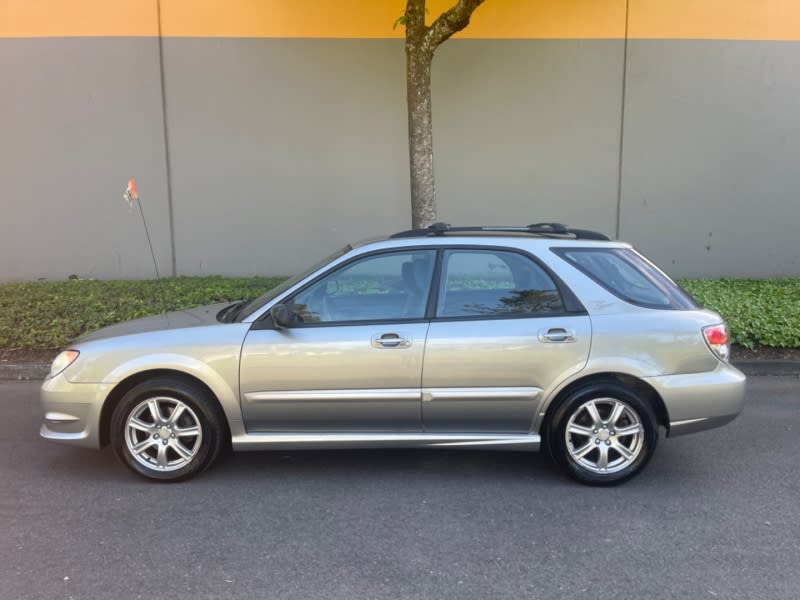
374	19
715	19
74	18
496	19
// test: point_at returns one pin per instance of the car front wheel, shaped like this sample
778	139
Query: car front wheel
603	434
167	429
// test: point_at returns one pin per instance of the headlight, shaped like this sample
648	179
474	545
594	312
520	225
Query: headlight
62	361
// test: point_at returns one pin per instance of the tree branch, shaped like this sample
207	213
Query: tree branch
449	22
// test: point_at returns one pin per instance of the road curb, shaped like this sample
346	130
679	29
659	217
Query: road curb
23	371
775	368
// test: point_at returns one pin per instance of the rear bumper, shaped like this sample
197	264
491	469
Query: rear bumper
71	412
700	401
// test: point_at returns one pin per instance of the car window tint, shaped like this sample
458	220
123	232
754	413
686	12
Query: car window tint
390	286
629	276
494	283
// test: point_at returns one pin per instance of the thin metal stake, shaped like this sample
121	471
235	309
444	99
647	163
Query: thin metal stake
149	243
153	256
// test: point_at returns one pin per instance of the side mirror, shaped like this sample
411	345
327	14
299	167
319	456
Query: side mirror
281	316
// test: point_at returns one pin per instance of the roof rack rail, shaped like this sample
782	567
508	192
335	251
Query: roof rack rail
543	229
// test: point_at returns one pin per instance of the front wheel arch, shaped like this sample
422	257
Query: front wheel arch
127	384
167	429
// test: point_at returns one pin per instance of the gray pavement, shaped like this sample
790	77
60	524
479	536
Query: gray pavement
715	515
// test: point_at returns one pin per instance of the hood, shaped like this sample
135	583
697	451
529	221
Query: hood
180	319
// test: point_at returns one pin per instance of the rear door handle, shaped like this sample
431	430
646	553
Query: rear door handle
556	335
390	340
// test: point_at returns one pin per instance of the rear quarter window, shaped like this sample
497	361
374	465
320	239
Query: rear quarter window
629	276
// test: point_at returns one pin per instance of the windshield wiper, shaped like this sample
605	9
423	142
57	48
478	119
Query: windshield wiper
229	313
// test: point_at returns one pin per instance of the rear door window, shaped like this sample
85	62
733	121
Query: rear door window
494	283
629	276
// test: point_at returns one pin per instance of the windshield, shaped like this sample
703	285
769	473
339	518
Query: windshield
252	306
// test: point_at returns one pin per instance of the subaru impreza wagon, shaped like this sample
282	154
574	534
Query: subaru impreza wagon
509	338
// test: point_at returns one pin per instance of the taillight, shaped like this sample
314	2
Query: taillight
717	339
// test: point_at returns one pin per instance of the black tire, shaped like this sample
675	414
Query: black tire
565	450
168	394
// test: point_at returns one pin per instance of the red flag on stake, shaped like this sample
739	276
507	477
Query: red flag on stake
131	195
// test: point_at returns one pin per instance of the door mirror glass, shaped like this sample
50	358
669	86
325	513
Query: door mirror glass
281	316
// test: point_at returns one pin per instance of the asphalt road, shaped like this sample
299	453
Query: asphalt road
715	515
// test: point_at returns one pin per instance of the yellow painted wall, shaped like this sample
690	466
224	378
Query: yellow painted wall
524	19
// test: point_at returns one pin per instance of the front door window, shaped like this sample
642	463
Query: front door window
384	287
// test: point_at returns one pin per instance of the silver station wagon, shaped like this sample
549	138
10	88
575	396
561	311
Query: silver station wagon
508	338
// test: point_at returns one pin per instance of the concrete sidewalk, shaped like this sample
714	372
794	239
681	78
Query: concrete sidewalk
790	368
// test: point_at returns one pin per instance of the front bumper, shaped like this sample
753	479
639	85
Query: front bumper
72	411
700	401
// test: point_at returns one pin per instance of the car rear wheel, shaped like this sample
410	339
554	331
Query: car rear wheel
603	434
167	429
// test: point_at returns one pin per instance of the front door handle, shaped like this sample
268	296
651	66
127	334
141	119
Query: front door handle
390	340
556	335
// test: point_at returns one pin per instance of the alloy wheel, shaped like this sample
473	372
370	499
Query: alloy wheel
163	433
604	435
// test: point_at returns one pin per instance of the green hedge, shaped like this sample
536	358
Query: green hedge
47	315
759	312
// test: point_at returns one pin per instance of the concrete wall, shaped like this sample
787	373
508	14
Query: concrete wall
302	146
258	155
711	156
78	117
283	150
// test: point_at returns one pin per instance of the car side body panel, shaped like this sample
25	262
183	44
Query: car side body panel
342	378
487	375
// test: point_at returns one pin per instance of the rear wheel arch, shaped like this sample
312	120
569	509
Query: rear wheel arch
602	433
635	384
127	384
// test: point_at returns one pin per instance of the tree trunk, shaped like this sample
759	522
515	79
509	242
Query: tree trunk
421	43
420	136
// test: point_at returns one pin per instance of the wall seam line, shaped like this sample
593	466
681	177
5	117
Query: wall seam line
167	162
622	118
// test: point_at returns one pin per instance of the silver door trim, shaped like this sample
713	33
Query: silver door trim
481	393
365	395
320	441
